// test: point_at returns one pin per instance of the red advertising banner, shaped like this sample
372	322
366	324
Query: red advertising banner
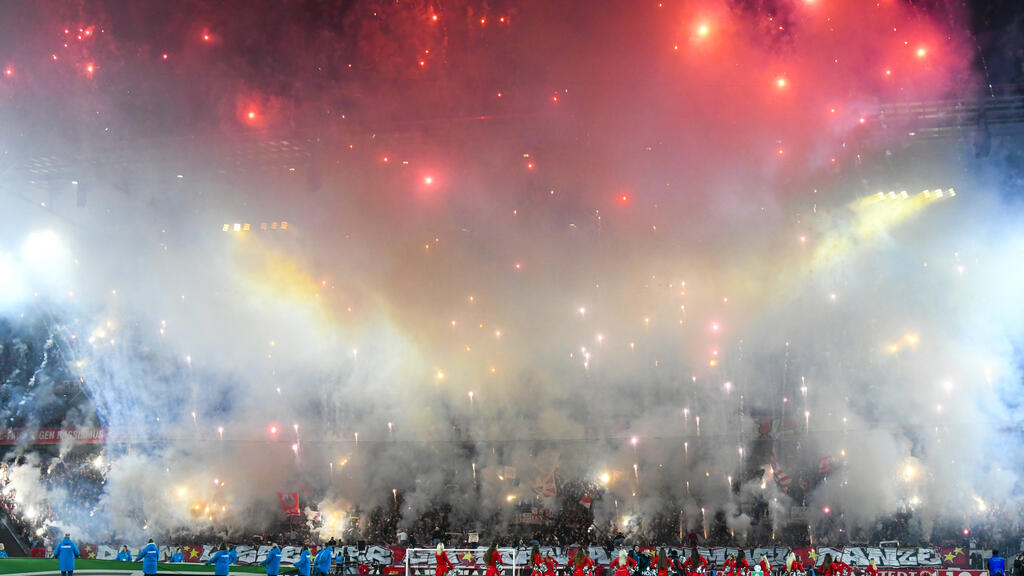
11	436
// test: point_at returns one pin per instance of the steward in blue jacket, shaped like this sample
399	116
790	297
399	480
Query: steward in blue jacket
65	553
178	557
123	555
322	561
222	560
273	561
303	565
149	555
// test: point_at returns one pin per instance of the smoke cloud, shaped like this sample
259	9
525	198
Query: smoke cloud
350	249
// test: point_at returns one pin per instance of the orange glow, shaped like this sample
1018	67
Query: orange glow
921	52
702	30
428	180
780	82
89	68
433	17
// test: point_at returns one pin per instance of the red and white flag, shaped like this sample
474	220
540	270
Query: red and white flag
781	477
289	503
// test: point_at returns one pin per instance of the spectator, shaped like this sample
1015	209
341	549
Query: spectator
178	557
3	551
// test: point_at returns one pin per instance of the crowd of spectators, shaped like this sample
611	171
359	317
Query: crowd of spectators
569	520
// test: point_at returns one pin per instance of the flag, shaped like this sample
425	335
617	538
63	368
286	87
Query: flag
586	501
781	477
289	503
89	551
192	553
544	485
542	478
825	465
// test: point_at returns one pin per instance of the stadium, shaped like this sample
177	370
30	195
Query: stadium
499	287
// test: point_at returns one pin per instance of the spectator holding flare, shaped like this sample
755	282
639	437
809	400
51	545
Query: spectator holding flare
222	560
65	553
273	560
443	564
149	556
996	564
303	565
623	565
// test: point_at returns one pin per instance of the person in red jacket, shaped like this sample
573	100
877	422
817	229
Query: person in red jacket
729	568
588	563
830	567
871	570
549	564
623	565
443	563
662	563
578	563
742	566
695	564
535	562
765	565
840	568
793	564
492	559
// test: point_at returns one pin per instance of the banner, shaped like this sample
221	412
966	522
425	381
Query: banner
11	436
289	503
938	561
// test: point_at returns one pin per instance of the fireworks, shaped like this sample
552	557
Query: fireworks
756	205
